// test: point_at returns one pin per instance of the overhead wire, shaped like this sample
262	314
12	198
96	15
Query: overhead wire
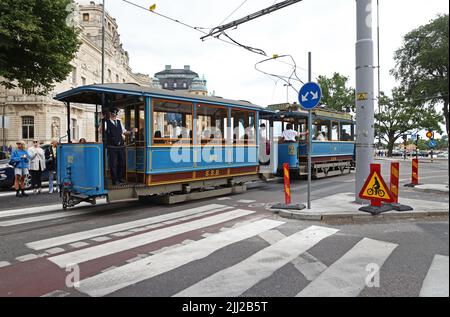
233	42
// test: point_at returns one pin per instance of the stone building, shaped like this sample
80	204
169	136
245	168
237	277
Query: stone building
27	116
181	79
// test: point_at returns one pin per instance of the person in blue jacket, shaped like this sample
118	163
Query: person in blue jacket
21	161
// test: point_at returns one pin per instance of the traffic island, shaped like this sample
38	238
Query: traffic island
343	207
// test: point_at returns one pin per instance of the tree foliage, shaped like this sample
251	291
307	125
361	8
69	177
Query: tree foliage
400	115
335	93
422	65
36	43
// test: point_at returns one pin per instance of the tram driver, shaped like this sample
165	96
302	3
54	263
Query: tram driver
115	131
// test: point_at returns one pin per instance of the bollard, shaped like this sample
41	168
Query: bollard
395	167
287	184
415	172
287	193
395	175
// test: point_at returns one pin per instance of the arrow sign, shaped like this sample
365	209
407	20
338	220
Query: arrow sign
310	95
432	143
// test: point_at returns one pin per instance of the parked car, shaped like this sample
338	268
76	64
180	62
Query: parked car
7	173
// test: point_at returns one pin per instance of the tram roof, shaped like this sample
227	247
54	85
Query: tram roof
92	94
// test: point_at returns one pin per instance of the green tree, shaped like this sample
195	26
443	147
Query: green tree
399	115
335	93
422	65
36	43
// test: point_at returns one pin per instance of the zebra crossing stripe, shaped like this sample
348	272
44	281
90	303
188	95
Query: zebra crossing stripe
436	282
235	280
41	209
347	276
119	278
84	235
116	246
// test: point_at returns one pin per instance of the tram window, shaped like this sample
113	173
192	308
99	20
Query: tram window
131	123
277	129
321	130
335	131
243	124
172	122
346	132
211	124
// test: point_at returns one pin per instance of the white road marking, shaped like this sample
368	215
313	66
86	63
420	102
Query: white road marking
129	274
62	214
27	257
57	293
4	263
436	282
235	280
347	276
142	239
246	201
42	209
272	236
309	266
55	250
77	245
89	234
101	239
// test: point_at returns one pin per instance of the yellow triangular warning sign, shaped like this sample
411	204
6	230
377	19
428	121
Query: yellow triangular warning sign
362	96
375	188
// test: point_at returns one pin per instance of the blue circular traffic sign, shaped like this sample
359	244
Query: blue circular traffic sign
432	143
310	95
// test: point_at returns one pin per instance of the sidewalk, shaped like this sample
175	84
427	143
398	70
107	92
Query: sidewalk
343	207
432	188
409	159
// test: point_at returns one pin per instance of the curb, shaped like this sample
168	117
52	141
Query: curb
431	190
359	216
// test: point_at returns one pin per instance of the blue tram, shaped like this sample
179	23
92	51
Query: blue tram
180	143
333	153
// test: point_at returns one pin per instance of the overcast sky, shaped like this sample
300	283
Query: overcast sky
327	28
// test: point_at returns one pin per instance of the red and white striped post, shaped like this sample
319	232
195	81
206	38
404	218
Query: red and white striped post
287	184
395	168
415	172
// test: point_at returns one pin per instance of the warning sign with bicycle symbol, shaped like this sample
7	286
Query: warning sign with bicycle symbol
375	188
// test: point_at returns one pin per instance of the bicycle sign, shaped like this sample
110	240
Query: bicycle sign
375	189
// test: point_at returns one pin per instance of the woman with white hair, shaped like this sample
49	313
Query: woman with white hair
20	160
37	166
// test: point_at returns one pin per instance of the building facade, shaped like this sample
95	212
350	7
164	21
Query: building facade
25	116
181	79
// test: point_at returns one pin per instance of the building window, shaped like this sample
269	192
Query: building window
74	76
123	80
74	129
117	78
86	17
109	75
165	85
83	81
184	85
27	127
174	85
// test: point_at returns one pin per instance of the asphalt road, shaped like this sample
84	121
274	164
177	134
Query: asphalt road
227	246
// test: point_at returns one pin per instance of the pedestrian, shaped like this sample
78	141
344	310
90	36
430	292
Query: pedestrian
51	164
20	160
115	131
37	166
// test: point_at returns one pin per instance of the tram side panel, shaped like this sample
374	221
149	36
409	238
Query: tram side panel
81	169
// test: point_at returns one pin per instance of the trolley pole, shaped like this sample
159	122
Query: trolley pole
103	43
364	93
309	136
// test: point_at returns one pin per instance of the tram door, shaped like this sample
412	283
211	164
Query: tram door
268	153
135	142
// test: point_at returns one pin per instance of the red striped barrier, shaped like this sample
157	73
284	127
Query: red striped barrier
415	172
287	184
395	173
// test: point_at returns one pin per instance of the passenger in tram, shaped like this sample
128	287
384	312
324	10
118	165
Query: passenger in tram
320	136
289	135
345	136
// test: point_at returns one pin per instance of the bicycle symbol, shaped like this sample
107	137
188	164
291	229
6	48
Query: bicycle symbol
376	189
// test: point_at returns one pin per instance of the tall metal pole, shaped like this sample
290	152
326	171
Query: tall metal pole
309	136
379	70
364	93
103	43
